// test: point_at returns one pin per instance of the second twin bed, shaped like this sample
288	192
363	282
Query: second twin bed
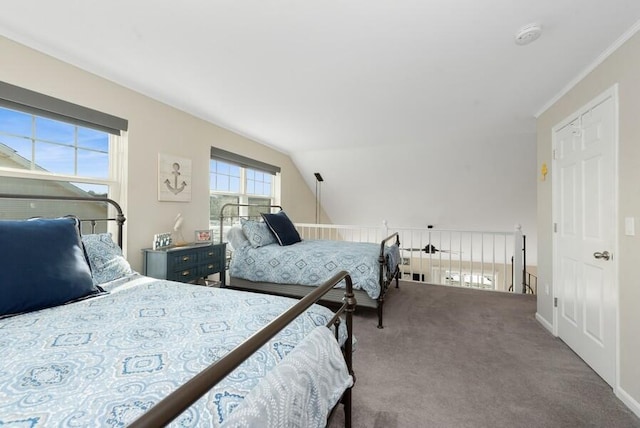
268	256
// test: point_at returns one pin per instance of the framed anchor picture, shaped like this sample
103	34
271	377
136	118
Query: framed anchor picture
174	178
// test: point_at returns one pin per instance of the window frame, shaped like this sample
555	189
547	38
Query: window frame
114	181
242	192
242	196
243	183
40	105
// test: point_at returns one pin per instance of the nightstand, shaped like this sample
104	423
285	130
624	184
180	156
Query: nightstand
185	263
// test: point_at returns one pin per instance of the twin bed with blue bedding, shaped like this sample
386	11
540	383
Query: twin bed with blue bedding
115	348
275	260
105	360
310	262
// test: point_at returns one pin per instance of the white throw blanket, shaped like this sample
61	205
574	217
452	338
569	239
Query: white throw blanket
300	391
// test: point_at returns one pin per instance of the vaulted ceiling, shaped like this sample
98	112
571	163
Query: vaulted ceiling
436	94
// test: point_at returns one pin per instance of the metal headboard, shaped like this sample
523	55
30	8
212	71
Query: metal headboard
225	206
119	218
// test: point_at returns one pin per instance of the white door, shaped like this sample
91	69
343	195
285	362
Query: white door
585	266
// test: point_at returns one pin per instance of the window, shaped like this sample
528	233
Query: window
469	279
48	146
239	180
52	146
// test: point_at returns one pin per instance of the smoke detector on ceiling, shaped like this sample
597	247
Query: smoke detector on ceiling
528	34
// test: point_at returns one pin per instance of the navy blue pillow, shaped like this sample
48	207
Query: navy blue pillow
42	264
282	228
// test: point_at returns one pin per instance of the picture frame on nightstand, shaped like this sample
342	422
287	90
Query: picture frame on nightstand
203	236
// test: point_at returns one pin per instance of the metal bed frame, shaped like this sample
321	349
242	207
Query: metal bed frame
332	297
179	400
119	218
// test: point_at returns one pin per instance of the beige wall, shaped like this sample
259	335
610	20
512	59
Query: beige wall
623	68
153	128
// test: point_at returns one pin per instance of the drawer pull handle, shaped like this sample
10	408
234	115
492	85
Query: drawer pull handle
185	273
210	266
185	259
210	253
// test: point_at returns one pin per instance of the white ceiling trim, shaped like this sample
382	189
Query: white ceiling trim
601	58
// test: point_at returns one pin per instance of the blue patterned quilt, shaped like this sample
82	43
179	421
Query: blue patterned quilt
311	262
105	360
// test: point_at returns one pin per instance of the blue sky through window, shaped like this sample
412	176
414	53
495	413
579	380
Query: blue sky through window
55	146
226	178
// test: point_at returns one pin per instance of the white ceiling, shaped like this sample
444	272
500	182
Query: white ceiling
341	77
301	75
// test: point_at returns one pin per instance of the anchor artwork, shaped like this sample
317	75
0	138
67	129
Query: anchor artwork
174	178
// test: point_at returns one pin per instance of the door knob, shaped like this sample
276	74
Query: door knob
603	255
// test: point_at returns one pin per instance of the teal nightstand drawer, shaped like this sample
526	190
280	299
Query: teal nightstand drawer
187	263
182	259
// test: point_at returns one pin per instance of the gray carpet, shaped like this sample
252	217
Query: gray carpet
452	357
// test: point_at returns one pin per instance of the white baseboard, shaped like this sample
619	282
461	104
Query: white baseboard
629	401
544	323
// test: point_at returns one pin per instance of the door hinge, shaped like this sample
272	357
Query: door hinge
555	227
555	302
554	154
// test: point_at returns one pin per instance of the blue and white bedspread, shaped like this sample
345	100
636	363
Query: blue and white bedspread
311	262
105	360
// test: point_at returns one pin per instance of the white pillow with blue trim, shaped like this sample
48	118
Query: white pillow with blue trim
105	257
257	232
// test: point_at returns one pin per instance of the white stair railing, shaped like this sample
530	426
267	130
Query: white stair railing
490	260
337	232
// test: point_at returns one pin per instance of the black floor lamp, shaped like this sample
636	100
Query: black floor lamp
319	181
